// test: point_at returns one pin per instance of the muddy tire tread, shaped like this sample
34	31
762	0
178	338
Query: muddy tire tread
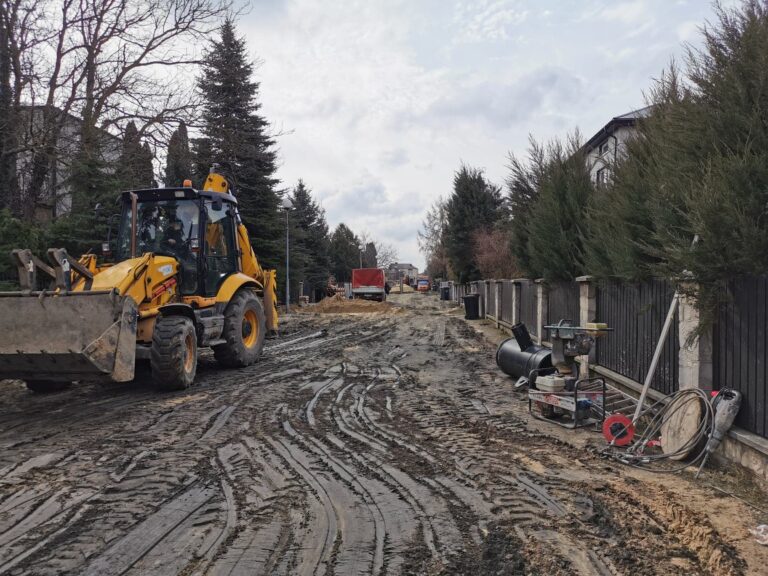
234	354
167	354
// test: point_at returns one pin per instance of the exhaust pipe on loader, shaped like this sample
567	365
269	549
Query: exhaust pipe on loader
63	337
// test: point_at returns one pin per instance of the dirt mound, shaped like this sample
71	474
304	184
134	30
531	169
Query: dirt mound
406	289
340	305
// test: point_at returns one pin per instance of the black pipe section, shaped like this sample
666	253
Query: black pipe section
516	361
523	337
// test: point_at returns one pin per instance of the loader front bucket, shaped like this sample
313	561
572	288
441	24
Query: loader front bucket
67	337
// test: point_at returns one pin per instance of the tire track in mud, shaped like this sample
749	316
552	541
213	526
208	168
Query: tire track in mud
133	486
354	446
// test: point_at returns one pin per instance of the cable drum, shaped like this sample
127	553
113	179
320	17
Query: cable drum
690	409
680	429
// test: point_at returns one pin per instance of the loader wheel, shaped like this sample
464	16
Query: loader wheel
173	356
244	331
46	386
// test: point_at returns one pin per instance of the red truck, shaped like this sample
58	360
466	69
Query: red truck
368	284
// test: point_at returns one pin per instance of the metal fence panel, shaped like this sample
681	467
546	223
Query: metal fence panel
740	349
563	302
528	313
505	305
636	312
490	301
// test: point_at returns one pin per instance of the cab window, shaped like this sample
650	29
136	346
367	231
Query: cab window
220	248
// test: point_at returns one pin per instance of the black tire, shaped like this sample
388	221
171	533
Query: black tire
173	357
46	386
244	313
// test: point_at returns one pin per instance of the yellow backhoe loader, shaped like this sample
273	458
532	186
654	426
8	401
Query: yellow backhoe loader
185	277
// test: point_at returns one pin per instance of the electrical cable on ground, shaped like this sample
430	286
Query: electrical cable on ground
660	413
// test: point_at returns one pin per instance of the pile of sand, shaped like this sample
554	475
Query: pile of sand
339	305
396	289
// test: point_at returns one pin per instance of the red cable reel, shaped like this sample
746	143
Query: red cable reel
618	429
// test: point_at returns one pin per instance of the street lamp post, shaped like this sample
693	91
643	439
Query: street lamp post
287	205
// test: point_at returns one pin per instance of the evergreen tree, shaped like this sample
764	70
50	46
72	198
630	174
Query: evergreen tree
555	243
134	167
474	205
311	233
369	255
344	253
202	161
178	166
237	136
523	192
698	167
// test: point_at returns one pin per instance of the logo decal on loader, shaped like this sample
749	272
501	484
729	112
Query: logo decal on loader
166	269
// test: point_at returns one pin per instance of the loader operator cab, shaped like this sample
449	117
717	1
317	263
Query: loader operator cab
197	229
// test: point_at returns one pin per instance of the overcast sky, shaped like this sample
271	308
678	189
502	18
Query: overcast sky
379	101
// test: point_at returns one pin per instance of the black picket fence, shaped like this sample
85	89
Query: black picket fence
636	312
740	349
563	302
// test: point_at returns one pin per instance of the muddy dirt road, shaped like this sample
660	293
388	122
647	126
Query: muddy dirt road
360	444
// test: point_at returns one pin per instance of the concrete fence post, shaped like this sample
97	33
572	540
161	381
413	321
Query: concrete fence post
587	314
515	300
497	288
542	305
695	358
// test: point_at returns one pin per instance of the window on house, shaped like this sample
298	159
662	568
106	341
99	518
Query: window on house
603	147
601	176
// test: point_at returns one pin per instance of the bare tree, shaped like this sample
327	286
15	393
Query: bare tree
493	255
372	249
386	254
108	62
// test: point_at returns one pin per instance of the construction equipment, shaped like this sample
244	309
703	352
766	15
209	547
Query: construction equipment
562	392
185	276
726	405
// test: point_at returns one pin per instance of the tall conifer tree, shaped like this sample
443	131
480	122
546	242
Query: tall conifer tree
474	205
178	166
312	238
238	140
345	253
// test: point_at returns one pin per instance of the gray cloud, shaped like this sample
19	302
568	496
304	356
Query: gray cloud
503	104
380	101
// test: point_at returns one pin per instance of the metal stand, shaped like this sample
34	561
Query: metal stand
580	404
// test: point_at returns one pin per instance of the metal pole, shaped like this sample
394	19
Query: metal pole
287	267
659	346
656	355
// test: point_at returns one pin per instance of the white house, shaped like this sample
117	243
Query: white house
400	270
56	199
609	143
